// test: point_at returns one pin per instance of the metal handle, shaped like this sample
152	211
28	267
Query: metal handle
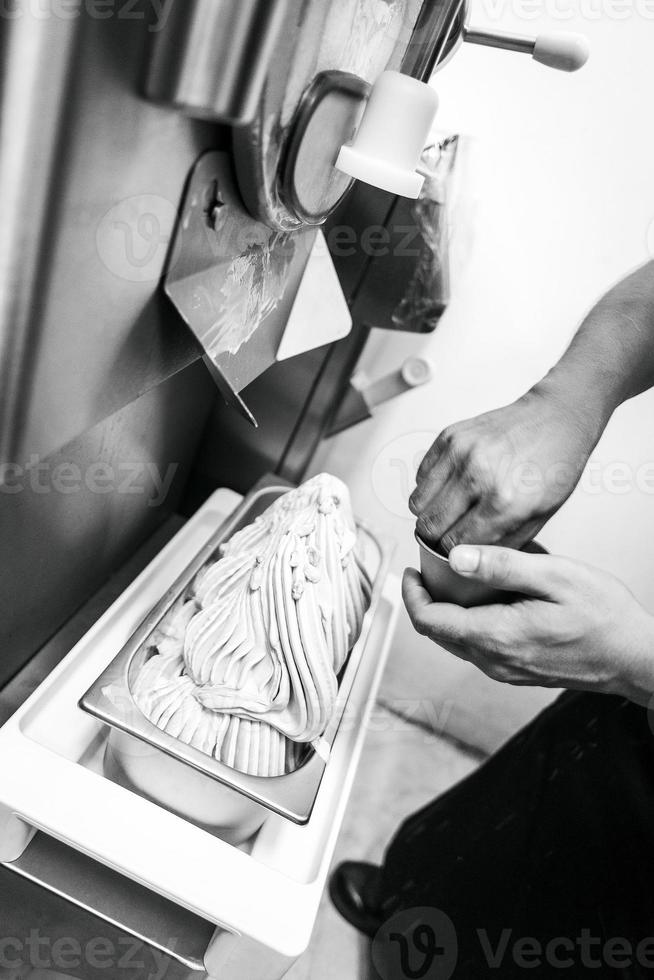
560	50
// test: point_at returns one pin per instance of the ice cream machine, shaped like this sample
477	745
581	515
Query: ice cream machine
346	100
187	281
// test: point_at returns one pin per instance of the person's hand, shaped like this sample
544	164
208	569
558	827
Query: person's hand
497	478
573	626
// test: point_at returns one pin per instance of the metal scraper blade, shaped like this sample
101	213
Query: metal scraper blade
233	279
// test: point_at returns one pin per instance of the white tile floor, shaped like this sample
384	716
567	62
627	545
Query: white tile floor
402	768
454	697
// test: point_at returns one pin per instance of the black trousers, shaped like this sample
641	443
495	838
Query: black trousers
540	864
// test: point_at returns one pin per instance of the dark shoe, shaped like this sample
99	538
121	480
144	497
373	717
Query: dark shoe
354	890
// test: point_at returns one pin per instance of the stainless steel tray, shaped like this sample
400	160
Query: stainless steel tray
110	699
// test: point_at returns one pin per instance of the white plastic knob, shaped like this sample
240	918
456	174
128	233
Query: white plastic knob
417	371
563	51
393	132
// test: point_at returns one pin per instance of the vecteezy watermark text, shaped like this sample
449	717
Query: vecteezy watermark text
67	953
133	238
566	10
154	12
563	952
65	477
423	944
394	470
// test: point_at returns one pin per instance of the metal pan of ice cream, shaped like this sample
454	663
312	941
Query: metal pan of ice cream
218	795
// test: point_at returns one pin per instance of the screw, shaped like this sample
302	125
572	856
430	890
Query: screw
215	203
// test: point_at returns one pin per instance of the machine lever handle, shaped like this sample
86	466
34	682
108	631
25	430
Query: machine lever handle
558	49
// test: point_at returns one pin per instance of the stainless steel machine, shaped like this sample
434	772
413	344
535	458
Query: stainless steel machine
167	177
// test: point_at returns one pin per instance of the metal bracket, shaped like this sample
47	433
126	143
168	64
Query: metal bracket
232	279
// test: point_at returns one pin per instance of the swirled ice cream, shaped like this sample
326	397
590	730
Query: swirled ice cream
245	667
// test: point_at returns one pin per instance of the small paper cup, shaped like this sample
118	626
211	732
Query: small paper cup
446	585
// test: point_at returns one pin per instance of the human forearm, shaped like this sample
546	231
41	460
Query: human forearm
470	486
638	681
611	357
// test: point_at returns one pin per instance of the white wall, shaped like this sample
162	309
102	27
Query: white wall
556	203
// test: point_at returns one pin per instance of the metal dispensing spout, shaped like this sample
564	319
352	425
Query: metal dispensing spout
401	110
393	132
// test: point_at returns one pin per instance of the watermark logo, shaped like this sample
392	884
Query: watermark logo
388	718
133	237
53	958
64	477
394	471
422	944
154	12
563	11
393	474
586	950
416	944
